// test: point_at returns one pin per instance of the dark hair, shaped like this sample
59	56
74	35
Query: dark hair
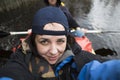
57	4
31	42
32	45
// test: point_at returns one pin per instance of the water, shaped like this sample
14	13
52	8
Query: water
16	15
100	15
105	15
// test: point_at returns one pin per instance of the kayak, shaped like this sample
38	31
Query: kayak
85	44
83	41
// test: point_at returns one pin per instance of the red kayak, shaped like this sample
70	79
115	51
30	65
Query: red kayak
85	43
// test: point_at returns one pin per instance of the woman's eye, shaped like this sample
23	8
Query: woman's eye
44	42
60	41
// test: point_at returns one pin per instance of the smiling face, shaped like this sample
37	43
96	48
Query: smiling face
51	47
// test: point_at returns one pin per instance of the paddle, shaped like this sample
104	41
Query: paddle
99	31
103	31
4	34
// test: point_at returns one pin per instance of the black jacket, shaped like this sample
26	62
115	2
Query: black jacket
71	21
18	67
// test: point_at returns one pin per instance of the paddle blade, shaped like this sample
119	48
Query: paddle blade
3	34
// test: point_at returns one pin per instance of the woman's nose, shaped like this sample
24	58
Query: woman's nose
53	49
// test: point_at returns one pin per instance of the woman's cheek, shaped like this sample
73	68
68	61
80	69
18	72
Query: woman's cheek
63	47
42	49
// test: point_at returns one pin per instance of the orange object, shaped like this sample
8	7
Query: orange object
21	41
85	43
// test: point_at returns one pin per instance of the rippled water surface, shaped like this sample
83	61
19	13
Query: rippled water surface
101	15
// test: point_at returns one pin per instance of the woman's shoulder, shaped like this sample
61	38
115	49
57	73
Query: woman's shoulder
16	67
65	10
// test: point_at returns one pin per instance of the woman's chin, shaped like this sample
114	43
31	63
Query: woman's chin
52	61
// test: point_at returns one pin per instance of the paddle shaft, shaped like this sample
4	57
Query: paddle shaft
103	31
88	31
4	34
93	31
17	33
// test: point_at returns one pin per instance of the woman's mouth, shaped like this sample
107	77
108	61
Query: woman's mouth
53	58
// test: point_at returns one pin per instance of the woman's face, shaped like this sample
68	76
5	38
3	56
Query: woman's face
51	47
52	2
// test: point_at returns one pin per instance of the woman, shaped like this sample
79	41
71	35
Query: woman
51	53
78	33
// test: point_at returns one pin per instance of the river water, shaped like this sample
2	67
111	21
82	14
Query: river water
100	15
105	15
16	15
